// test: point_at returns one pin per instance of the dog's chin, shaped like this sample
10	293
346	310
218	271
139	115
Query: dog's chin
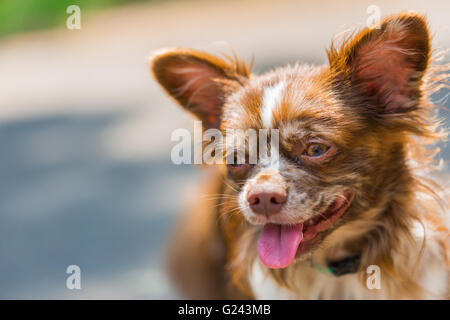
315	229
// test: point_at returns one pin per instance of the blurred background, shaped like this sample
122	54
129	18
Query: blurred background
85	172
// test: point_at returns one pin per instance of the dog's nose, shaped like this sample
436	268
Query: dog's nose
267	202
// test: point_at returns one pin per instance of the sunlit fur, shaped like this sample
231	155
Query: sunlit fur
381	136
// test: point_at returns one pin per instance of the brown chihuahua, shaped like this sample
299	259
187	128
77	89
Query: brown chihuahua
345	213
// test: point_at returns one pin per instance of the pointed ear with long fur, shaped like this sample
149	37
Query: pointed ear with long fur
386	65
198	81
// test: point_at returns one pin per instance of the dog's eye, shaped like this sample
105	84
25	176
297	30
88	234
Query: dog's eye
238	168
316	150
236	165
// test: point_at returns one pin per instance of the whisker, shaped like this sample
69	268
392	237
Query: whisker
229	185
228	212
217	197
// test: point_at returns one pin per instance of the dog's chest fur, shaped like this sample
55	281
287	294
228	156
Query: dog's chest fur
316	285
310	283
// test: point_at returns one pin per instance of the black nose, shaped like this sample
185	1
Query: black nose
267	201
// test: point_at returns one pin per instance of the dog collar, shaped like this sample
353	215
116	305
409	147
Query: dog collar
345	266
340	267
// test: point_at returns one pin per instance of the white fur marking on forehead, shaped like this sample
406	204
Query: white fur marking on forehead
272	96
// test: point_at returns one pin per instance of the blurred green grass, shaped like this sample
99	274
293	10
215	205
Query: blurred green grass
25	15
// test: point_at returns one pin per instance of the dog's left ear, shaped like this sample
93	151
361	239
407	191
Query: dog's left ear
386	64
198	81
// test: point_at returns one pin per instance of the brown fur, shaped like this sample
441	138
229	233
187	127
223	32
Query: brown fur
372	102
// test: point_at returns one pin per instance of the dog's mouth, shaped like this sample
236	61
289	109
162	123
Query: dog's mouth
278	244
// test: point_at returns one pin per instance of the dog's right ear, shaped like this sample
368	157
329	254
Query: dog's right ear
387	64
198	81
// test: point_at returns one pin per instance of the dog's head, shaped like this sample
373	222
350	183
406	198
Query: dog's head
342	131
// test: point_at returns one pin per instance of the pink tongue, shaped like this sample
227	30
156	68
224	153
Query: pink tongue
277	244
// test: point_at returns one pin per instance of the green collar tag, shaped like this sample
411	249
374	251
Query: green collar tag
339	267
